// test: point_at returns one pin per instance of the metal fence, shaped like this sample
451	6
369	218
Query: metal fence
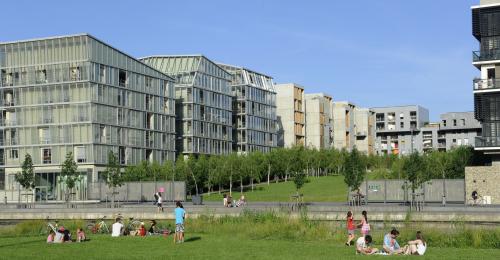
432	191
137	191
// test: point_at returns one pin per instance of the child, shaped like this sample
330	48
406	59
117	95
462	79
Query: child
363	246
50	238
180	215
417	246
350	228
364	225
142	230
80	235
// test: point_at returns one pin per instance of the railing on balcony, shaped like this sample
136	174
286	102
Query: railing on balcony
485	55
479	84
487	141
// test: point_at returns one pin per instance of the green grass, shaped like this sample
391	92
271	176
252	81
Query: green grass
268	235
322	189
204	246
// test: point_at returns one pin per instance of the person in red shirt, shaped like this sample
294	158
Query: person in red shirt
350	228
142	230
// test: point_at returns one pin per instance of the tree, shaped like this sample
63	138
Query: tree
112	175
26	178
69	173
299	179
415	171
354	170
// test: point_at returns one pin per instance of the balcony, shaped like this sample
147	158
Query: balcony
487	141
478	56
480	84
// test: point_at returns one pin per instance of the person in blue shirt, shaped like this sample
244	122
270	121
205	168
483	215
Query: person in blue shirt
180	215
391	246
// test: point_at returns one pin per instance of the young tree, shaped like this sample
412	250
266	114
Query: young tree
354	170
415	171
112	175
26	178
299	180
69	174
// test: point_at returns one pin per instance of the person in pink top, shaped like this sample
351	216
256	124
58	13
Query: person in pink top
364	225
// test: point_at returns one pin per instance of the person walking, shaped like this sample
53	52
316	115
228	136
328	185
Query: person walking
180	215
350	228
364	225
159	202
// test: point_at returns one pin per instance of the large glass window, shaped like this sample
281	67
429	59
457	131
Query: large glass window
46	155
80	155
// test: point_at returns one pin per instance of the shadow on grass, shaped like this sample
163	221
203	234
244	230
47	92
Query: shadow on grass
20	243
192	239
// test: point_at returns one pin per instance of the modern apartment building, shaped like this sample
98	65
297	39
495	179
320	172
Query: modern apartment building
319	121
427	138
457	128
343	125
397	128
486	29
77	94
290	111
203	103
254	110
364	130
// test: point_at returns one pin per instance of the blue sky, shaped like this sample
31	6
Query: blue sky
370	52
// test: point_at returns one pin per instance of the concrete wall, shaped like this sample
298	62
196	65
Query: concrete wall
485	180
138	191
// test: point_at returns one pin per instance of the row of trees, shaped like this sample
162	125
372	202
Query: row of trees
216	173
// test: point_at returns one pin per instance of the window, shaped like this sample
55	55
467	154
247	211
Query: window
466	141
46	156
44	135
74	73
402	124
41	76
444	122
454	122
80	156
14	154
491	73
463	121
122	78
102	73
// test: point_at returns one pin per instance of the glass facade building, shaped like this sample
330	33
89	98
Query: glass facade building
254	110
78	94
486	29
203	103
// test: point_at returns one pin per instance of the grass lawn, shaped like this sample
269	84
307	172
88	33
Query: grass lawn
322	189
204	246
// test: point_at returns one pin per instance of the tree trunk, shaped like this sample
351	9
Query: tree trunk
241	184
231	184
251	181
268	173
113	197
220	188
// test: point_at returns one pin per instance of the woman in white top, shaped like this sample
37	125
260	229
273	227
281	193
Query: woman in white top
417	246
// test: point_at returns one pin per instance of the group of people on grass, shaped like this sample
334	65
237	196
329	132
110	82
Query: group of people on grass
63	235
228	202
390	245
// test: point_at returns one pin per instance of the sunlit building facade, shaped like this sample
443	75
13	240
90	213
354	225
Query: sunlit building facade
77	94
203	103
254	110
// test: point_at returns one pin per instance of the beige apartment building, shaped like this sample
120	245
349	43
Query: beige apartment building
319	121
364	129
290	111
343	125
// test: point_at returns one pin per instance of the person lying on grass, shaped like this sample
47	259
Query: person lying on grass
363	246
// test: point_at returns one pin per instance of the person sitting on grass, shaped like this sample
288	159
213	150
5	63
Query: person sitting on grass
67	236
363	246
59	236
350	228
51	236
180	215
80	235
391	246
417	246
142	230
152	229
117	228
241	202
